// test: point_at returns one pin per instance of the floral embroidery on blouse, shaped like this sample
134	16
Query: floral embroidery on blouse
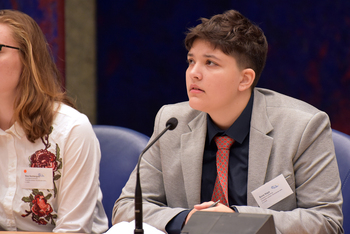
40	209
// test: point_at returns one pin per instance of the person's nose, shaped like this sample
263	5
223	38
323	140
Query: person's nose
195	72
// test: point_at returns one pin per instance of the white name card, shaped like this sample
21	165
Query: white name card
272	192
36	178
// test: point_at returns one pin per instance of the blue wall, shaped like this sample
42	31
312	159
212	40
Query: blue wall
142	59
49	15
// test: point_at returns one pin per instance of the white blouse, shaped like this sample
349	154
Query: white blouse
75	202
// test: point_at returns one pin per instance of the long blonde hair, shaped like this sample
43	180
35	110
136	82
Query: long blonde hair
40	85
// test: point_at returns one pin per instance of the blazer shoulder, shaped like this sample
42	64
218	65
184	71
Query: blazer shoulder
179	110
272	110
183	112
275	100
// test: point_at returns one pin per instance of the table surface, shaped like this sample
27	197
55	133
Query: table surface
13	232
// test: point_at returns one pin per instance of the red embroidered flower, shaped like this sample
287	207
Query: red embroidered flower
44	159
40	207
40	221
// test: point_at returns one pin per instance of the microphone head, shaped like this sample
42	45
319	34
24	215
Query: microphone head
172	123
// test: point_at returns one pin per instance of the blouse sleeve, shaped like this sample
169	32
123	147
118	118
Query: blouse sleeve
79	193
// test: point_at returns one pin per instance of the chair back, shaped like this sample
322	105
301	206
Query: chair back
120	150
342	152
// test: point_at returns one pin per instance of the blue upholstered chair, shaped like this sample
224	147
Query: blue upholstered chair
120	150
342	152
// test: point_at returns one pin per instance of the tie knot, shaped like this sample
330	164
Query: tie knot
223	142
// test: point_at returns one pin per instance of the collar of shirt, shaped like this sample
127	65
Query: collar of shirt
15	130
238	130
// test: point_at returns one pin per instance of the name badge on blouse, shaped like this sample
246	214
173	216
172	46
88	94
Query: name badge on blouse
272	192
36	178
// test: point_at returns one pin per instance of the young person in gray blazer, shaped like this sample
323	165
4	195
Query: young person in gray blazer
274	134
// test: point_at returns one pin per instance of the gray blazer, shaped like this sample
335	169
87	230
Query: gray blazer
287	136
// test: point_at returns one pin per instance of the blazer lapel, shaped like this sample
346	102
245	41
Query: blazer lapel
260	145
192	149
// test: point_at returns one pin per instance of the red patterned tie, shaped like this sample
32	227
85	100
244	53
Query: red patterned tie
222	156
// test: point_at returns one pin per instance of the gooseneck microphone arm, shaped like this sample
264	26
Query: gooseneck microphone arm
170	125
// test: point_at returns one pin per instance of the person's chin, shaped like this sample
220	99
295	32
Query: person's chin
196	104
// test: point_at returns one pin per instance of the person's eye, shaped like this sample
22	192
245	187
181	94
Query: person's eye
211	63
190	61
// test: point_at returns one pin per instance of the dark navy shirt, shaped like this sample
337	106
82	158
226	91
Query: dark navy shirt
238	164
238	161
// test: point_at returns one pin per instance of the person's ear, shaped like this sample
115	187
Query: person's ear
247	79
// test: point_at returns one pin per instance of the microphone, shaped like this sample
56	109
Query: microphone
170	125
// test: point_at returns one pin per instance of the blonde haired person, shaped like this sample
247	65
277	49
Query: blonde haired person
41	132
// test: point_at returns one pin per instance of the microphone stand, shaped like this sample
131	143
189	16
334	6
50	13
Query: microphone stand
170	125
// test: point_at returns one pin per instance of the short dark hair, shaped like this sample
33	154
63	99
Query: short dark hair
234	35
